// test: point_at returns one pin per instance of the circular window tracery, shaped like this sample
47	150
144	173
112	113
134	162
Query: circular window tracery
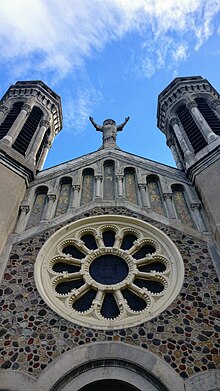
109	271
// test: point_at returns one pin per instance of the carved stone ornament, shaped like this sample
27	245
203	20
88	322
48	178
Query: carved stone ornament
26	107
4	108
174	121
191	104
44	123
109	272
215	103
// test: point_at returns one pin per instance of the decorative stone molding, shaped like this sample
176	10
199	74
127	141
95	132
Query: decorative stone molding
4	109
195	206
45	123
170	142
167	196
148	268
24	208
174	121
191	104
27	108
215	103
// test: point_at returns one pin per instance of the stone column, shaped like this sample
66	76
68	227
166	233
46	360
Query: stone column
44	124
51	198
215	105
17	125
142	189
169	203
195	207
98	180
119	179
44	155
75	200
171	145
175	123
3	112
207	132
24	209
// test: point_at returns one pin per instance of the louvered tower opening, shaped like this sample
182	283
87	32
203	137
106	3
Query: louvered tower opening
209	115
194	134
24	138
10	118
43	143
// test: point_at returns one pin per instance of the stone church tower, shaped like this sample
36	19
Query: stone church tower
110	263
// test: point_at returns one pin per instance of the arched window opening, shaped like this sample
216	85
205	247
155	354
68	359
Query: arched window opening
192	131
38	207
154	191
130	185
42	145
109	385
27	132
109	180
64	197
87	186
10	118
181	206
209	115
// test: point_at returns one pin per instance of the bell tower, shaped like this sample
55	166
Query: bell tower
30	117
189	116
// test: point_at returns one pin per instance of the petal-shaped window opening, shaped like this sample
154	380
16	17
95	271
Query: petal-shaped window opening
61	267
66	286
74	251
155	266
109	238
84	302
143	251
152	285
89	241
109	307
135	302
128	241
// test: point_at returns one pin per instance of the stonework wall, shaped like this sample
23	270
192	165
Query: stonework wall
13	188
186	335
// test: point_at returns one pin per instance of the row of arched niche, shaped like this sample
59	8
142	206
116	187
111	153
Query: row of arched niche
109	191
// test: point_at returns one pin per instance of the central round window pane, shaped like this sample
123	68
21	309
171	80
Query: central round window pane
108	269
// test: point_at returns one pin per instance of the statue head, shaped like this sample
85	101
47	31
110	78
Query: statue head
109	122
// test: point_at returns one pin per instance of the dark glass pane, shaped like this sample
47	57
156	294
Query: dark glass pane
60	267
89	241
157	266
67	286
143	251
109	307
108	269
109	238
152	286
85	301
134	302
72	250
128	241
109	385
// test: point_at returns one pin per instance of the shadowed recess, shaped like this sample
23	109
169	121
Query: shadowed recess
156	266
109	238
66	286
89	241
85	301
75	252
134	302
152	286
128	241
60	267
143	251
108	269
109	307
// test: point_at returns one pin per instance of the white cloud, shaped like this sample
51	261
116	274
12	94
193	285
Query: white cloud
63	33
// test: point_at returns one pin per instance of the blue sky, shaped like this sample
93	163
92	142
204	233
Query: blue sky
109	59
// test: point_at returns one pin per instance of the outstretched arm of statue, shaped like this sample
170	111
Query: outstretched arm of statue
98	127
120	127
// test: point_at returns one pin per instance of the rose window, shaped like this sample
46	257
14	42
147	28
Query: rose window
109	272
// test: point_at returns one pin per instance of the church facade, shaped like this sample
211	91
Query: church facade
110	262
